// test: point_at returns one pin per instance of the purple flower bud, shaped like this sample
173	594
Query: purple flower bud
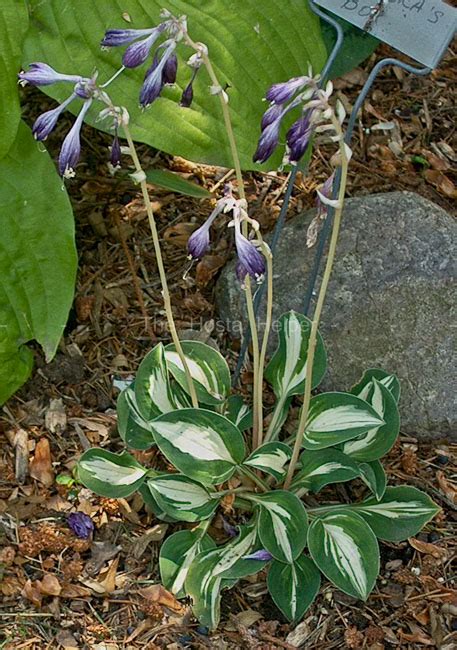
71	146
81	524
137	53
46	122
262	555
326	191
153	81
115	158
232	531
41	74
170	70
115	37
249	257
198	242
187	96
283	92
273	113
298	137
267	142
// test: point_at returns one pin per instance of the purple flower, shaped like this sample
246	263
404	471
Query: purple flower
115	158
198	242
268	142
153	80
81	524
298	137
170	70
46	122
116	37
137	53
232	531
71	147
187	96
250	260
283	92
41	74
262	555
325	192
273	113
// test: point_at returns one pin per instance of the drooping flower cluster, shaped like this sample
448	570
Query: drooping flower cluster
84	88
250	260
164	65
283	97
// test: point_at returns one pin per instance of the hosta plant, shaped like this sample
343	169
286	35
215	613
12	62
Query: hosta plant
215	452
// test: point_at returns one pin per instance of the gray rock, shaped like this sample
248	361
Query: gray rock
390	303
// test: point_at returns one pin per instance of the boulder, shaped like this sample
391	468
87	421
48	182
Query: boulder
391	302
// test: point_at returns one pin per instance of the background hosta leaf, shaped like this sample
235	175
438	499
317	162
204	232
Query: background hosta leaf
287	368
401	513
377	441
336	417
181	498
357	46
14	22
271	458
364	386
346	551
110	475
293	587
207	366
205	577
134	430
282	524
176	183
251	45
202	444
374	476
153	392
37	258
177	554
322	467
238	412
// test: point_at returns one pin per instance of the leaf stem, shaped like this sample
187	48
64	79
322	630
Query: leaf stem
160	266
269	258
244	471
319	305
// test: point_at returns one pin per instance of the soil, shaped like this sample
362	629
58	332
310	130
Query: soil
61	591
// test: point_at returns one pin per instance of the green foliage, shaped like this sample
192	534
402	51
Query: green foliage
251	44
37	260
175	183
294	543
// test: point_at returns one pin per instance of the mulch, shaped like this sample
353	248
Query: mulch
60	591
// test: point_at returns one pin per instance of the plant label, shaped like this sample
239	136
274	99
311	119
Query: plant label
422	29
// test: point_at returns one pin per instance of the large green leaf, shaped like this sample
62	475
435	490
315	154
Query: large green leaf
251	44
181	498
177	554
401	513
346	551
293	587
110	475
207	366
337	417
282	524
37	258
203	445
14	21
378	440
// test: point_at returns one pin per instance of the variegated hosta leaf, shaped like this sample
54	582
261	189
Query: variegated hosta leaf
134	430
322	467
293	587
282	524
337	417
346	551
181	498
152	505
207	366
286	371
206	575
374	476
388	380
152	386
401	513
238	412
177	554
246	566
110	475
378	440
201	444
270	458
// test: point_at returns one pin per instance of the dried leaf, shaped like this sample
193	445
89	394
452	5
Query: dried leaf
49	585
246	618
448	488
32	593
41	465
427	548
179	234
156	534
66	640
158	594
207	269
21	445
109	582
55	418
101	553
416	636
